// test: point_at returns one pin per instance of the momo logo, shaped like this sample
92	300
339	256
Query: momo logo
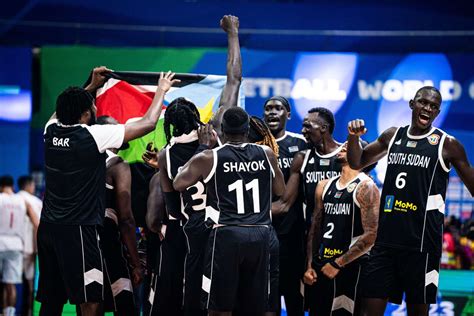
433	139
329	253
404	206
388	203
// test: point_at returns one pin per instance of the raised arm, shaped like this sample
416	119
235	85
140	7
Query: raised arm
314	233
230	94
292	186
156	212
122	180
368	197
198	167
148	122
454	153
278	183
359	158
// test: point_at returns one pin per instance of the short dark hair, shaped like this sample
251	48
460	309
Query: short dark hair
327	116
23	181
280	99
71	103
183	115
235	121
6	181
436	91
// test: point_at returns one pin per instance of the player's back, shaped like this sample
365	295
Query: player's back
12	218
194	197
239	186
75	174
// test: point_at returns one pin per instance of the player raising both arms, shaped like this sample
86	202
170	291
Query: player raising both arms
407	250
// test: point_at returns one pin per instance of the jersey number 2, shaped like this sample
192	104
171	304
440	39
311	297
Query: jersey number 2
238	186
328	233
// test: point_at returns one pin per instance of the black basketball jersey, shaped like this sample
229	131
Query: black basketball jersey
75	172
341	225
412	203
317	167
193	199
239	186
288	146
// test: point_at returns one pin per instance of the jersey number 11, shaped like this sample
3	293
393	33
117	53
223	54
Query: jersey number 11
238	186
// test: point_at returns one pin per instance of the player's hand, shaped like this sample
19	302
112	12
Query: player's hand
310	277
207	135
166	81
162	233
150	156
230	24
137	275
357	127
329	271
98	77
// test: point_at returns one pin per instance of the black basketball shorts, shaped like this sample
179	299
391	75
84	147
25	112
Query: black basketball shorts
336	297
196	234
391	272
166	293
236	273
118	286
70	264
274	273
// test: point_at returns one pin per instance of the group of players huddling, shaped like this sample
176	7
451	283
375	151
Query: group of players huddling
246	211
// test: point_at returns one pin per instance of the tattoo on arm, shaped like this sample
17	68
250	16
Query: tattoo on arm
369	200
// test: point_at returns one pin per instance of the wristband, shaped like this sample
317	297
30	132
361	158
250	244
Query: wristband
335	265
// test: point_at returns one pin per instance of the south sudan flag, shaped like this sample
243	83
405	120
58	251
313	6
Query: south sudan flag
127	96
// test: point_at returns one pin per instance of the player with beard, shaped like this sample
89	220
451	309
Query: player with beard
236	272
407	251
314	164
70	258
188	206
118	232
289	225
343	229
311	165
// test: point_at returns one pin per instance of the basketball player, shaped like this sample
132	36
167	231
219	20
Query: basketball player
70	259
13	209
289	225
314	164
26	184
343	229
119	232
407	251
184	116
240	178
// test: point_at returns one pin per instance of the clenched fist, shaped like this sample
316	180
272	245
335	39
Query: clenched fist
357	127
230	23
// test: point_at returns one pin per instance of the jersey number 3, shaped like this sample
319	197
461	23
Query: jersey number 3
238	187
